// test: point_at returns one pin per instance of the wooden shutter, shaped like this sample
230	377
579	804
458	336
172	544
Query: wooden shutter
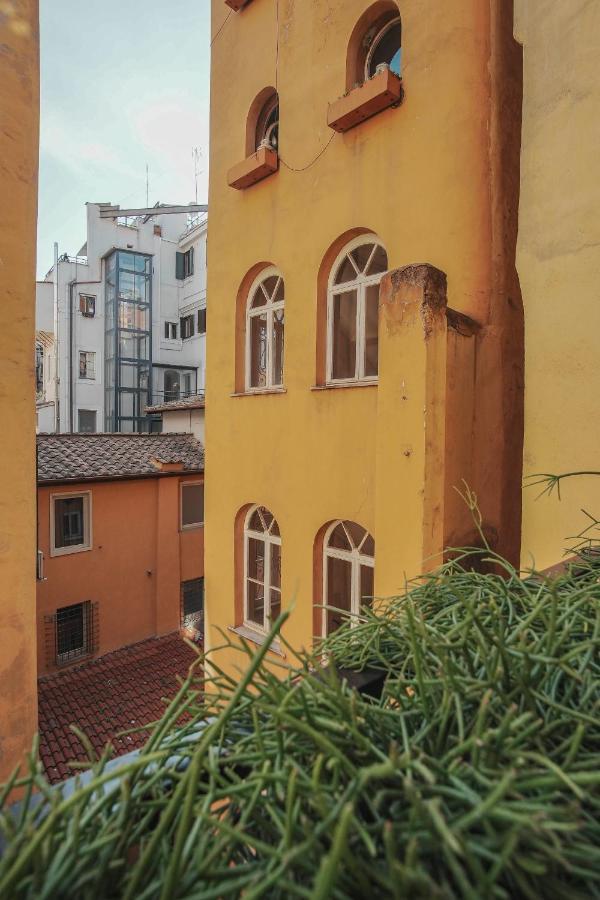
180	266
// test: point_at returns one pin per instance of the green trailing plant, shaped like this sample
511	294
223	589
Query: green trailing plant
589	537
475	774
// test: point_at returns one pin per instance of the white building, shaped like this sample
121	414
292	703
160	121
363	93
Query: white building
130	315
184	416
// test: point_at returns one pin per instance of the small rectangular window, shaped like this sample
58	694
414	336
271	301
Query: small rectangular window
87	365
186	324
188	263
72	628
39	368
202	321
192	605
70	523
86	420
87	305
192	505
171	331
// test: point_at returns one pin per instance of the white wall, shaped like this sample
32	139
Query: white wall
184	421
171	298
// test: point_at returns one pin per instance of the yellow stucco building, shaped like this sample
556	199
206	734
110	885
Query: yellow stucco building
365	317
559	266
19	77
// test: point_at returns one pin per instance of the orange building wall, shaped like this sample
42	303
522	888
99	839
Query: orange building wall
19	116
139	558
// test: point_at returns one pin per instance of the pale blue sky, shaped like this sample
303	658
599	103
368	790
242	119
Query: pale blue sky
123	83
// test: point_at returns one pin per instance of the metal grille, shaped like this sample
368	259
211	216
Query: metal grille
72	633
192	606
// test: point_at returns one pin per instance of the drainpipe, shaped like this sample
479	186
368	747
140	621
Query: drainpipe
56	345
71	351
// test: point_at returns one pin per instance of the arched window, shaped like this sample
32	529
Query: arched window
262	569
375	40
348	562
353	311
385	47
267	125
262	124
264	331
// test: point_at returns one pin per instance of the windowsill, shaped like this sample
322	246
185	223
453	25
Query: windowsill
73	660
191	527
259	392
256	637
368	99
255	168
67	551
336	385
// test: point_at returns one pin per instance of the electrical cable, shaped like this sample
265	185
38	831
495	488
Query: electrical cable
223	24
312	162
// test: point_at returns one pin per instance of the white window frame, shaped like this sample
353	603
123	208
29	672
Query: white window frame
193	525
360	284
357	559
86	302
184	317
171	325
87	377
269	309
377	40
269	540
87	524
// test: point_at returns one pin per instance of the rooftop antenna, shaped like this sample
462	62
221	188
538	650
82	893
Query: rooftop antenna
196	156
147	187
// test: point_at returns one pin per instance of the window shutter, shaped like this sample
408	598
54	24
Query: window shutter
179	266
191	272
81	304
167	335
201	321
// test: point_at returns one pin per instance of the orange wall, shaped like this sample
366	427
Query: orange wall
19	115
139	558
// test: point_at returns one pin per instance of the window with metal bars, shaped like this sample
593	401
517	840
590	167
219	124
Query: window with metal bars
192	605
72	633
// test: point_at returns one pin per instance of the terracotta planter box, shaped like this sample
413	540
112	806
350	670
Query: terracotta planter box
370	98
237	4
256	167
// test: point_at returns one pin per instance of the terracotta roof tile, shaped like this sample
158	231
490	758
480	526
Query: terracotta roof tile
195	402
122	690
79	457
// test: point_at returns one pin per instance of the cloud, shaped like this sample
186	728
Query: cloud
79	150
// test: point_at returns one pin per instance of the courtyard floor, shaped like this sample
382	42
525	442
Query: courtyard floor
117	692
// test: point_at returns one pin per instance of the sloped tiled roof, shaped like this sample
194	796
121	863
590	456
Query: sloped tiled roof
123	690
82	457
195	402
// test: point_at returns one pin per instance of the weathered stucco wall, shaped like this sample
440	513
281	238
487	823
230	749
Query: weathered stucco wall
559	265
134	568
19	101
427	179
